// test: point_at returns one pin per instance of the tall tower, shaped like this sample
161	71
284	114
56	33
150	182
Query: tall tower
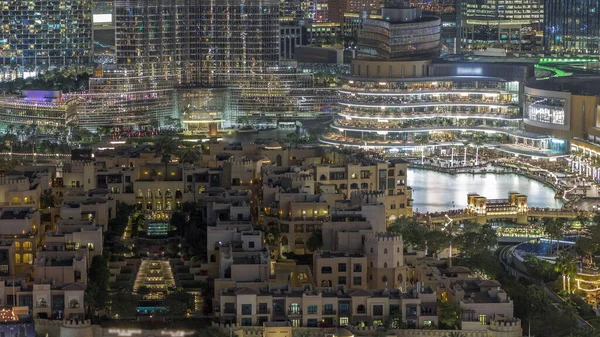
239	38
385	260
157	38
45	33
572	26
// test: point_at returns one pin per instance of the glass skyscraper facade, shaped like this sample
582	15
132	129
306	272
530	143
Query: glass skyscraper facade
239	38
500	23
572	26
45	33
158	38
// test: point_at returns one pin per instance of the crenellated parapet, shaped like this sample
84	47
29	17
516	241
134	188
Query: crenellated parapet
383	237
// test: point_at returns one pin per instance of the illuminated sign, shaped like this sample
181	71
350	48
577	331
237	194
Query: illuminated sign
102	18
546	115
178	333
124	332
462	71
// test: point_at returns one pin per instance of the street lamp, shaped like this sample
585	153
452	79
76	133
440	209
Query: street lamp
448	227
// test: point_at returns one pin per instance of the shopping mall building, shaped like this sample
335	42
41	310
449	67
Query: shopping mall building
400	96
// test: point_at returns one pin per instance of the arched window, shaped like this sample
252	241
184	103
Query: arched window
284	241
17	258
364	186
384	279
398	264
27	246
353	176
140	194
148	193
361	309
398	250
385	251
17	245
371	250
323	177
168	193
159	193
385	265
354	186
28	258
73	303
399	277
178	194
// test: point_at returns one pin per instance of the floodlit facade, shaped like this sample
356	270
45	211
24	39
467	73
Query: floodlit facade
46	109
158	38
401	32
125	100
44	33
238	39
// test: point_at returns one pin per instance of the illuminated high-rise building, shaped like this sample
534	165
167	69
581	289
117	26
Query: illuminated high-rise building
239	38
572	26
209	43
337	8
158	38
44	33
508	23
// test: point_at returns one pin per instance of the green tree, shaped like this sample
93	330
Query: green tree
143	290
475	239
47	199
165	147
123	303
98	278
554	228
179	221
584	332
178	302
272	234
315	241
413	233
449	315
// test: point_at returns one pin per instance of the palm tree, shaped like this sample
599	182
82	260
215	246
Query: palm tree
10	129
165	147
21	131
553	227
189	155
565	265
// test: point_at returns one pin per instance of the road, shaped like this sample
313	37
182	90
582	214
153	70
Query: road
504	253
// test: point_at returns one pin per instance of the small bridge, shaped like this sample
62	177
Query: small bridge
482	209
520	217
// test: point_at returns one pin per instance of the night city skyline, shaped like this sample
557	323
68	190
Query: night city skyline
299	168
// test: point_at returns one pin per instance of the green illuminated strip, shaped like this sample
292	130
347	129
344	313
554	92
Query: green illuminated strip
557	72
568	60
